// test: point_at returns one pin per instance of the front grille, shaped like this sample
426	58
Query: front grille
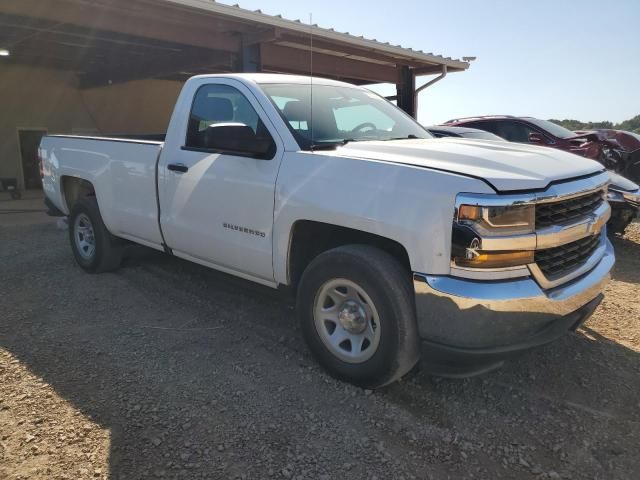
560	261
565	211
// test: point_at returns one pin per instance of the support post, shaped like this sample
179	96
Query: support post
406	90
250	58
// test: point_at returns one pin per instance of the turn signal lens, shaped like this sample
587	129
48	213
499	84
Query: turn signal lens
470	213
482	259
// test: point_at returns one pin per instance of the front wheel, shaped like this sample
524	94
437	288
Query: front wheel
356	310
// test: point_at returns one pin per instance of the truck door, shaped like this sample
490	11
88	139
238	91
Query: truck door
216	193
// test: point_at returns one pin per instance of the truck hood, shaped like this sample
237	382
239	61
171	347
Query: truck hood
506	166
618	182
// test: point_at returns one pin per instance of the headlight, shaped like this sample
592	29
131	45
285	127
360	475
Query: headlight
498	220
615	196
632	198
475	222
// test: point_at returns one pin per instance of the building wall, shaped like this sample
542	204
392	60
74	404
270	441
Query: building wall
34	98
143	106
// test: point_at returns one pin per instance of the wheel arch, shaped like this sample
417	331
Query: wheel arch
73	188
310	238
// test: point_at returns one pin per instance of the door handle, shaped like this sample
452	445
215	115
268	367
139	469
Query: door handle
178	167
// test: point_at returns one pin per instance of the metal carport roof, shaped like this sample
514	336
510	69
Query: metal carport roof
110	41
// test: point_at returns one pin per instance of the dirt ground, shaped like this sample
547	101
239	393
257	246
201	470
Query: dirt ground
168	370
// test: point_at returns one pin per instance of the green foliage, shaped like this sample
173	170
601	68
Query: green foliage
631	125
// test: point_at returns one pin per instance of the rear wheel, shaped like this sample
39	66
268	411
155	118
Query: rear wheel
356	310
93	246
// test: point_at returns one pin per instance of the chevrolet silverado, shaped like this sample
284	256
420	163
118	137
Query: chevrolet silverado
396	244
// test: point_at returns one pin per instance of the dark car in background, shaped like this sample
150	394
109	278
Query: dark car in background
534	131
617	150
623	196
621	150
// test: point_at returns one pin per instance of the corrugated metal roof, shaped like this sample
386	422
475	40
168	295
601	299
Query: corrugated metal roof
235	11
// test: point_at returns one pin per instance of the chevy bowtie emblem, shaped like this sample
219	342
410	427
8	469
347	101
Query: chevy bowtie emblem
595	224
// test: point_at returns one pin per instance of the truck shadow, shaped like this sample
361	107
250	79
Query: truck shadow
627	260
201	375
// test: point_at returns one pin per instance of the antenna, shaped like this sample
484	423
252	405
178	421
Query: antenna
311	78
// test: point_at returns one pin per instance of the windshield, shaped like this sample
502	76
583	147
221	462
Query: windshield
340	115
555	130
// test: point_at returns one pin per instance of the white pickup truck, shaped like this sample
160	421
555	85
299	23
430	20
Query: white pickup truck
396	244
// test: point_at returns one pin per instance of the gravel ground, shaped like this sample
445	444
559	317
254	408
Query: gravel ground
168	370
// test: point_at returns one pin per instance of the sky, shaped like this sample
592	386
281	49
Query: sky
548	59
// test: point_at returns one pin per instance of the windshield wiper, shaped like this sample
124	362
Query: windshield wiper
408	137
340	143
330	145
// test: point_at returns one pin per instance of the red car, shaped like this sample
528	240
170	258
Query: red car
616	149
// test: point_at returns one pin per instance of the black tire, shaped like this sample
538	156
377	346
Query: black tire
15	195
389	287
107	254
619	221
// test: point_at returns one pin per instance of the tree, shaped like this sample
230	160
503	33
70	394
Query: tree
631	125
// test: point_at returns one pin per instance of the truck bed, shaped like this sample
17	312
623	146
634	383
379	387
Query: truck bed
150	137
124	137
123	172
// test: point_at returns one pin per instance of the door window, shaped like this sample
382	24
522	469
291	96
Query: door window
515	131
486	125
218	105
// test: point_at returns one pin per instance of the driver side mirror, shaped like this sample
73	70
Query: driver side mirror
238	139
535	137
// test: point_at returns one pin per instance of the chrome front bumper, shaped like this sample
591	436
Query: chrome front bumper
474	316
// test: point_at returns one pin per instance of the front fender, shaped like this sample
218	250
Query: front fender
411	205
